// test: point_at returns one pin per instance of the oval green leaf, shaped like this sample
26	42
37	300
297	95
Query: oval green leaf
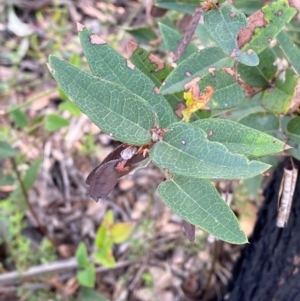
294	142
109	65
6	151
223	26
87	276
293	126
239	139
196	65
227	92
291	51
82	256
267	23
117	111
260	75
199	203
152	66
277	99
264	122
185	150
55	122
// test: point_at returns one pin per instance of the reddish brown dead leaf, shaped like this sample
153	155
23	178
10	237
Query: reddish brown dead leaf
254	21
179	108
157	12
295	4
157	61
191	83
115	154
96	40
131	48
104	180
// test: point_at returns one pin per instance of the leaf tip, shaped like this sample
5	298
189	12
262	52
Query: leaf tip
96	40
49	67
131	48
286	147
156	90
130	65
80	27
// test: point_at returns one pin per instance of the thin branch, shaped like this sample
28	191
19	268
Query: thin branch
25	194
61	266
188	35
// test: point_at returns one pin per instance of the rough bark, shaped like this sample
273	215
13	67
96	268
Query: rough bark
269	267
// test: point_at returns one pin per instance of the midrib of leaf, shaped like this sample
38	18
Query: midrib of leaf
226	87
222	15
188	196
210	163
111	83
260	72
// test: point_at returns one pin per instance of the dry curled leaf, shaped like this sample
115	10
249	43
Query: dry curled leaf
286	194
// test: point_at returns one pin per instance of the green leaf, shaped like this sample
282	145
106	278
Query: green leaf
6	179
32	173
88	294
121	231
185	150
262	121
293	126
19	118
102	237
152	66
227	92
248	7
6	151
199	203
105	256
55	122
294	142
71	107
196	65
185	6
246	107
113	108
203	36
110	66
142	34
267	24
253	185
239	139
87	277
260	75
172	39
223	26
277	99
82	255
291	51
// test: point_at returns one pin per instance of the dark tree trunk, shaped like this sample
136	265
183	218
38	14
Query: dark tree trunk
269	267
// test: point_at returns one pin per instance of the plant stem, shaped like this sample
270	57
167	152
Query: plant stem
25	194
